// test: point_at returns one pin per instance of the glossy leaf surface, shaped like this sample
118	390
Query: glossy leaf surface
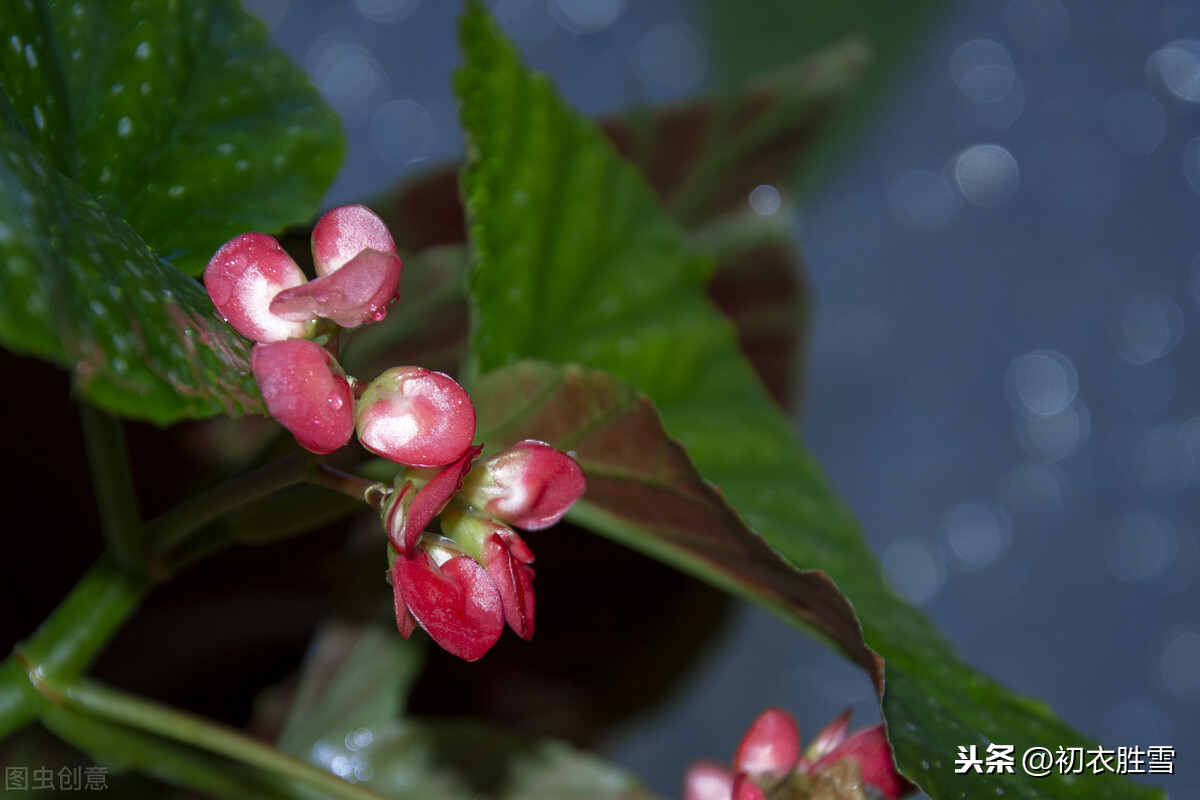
643	490
354	678
80	288
465	760
560	224
133	134
181	118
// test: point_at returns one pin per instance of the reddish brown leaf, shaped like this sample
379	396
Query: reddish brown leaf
644	491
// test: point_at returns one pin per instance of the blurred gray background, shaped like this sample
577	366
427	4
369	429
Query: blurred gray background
1001	379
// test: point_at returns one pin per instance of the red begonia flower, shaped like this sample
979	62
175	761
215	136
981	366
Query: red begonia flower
416	417
243	277
304	389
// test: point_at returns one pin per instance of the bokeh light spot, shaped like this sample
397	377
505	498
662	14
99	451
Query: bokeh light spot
913	570
670	60
975	535
765	200
1041	383
986	174
1151	325
1179	664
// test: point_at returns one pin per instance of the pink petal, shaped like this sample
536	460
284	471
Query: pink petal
771	745
869	747
416	417
530	485
514	580
744	788
344	232
395	514
829	738
405	528
705	780
456	603
303	389
357	294
406	623
243	277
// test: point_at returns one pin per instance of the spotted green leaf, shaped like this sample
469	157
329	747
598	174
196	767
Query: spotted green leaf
179	117
136	139
576	262
80	288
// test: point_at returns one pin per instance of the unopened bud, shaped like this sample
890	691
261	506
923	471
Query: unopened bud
530	485
305	390
771	746
344	232
356	294
505	557
242	279
410	509
456	602
416	417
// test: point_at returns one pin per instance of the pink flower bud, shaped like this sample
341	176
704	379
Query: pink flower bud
406	516
344	232
705	780
771	745
416	417
304	389
827	740
406	623
870	748
356	294
242	279
530	485
504	559
504	556
452	598
744	788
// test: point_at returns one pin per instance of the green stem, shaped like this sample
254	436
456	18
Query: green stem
370	492
123	748
112	481
169	531
69	638
98	605
144	715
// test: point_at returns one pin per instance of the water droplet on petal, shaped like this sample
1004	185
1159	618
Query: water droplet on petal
335	402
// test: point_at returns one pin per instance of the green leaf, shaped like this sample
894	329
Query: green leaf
347	716
644	492
78	287
745	45
466	760
132	133
119	749
704	156
575	262
180	118
355	678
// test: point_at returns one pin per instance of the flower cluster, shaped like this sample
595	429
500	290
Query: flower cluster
463	584
259	290
768	763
